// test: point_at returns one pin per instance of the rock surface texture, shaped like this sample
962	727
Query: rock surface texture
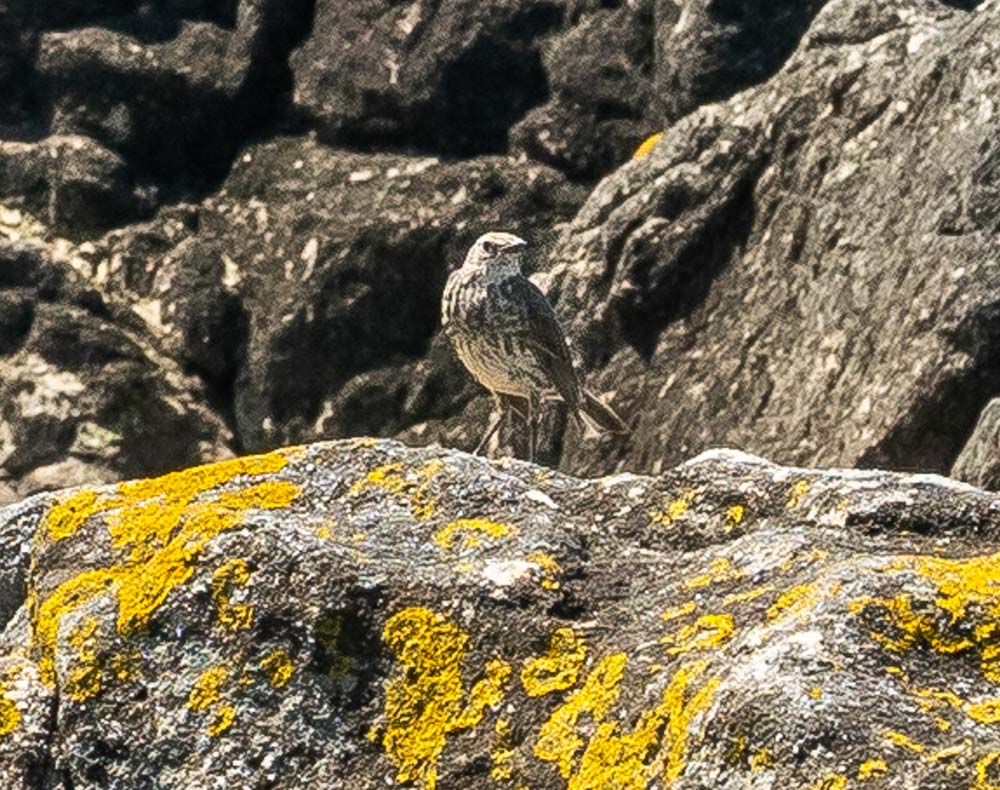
359	614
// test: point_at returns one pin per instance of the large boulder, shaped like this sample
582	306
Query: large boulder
86	394
360	614
808	270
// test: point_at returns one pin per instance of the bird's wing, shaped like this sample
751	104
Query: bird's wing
538	328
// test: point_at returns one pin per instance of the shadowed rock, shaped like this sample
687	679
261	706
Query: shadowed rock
363	614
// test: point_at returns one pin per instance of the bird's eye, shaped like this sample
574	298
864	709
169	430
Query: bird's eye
490	248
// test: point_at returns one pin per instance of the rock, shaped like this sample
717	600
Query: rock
449	79
599	71
807	270
86	394
979	461
77	185
363	614
312	267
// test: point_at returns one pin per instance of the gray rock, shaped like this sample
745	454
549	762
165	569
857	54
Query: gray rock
362	614
979	461
86	393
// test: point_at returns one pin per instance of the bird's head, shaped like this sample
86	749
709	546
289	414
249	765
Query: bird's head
497	254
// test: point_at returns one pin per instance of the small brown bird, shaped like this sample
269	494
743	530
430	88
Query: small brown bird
508	337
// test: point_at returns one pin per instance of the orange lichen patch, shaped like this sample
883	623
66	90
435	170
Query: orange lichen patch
394	479
749	595
831	782
708	631
682	610
761	759
720	570
656	746
278	665
558	669
232	574
551	570
207	689
816	692
647	145
162	530
224	718
83	680
797	492
674	510
964	617
734	516
10	716
468	533
987	712
903	741
67	515
426	699
502	754
988	772
872	769
794	601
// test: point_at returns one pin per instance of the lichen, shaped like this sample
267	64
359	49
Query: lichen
224	718
10	716
469	532
674	510
734	516
393	479
708	631
206	690
162	530
426	700
872	769
761	759
67	515
720	570
232	574
83	680
656	746
831	782
903	741
278	664
797	493
647	145
794	601
551	569
558	669
502	754
989	764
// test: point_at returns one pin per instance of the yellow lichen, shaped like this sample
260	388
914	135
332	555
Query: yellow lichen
233	615
551	570
469	533
761	759
904	741
831	782
797	493
224	718
559	668
967	614
720	570
708	631
67	515
734	516
987	712
83	680
816	692
647	145
502	754
748	595
162	530
793	601
278	664
425	701
656	746
990	763
872	769
674	510
393	479
206	690
681	610
10	716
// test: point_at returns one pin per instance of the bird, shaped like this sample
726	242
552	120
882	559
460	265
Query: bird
507	336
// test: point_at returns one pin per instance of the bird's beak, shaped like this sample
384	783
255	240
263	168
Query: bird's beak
516	244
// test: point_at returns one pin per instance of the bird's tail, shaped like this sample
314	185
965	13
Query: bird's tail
600	415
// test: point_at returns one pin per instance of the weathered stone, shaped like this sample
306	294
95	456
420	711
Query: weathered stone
979	461
361	614
85	393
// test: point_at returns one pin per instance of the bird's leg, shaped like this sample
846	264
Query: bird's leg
494	427
531	428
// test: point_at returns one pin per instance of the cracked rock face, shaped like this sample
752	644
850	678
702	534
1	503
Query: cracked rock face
363	613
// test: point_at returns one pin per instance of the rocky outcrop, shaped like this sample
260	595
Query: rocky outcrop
87	396
363	613
979	461
808	270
